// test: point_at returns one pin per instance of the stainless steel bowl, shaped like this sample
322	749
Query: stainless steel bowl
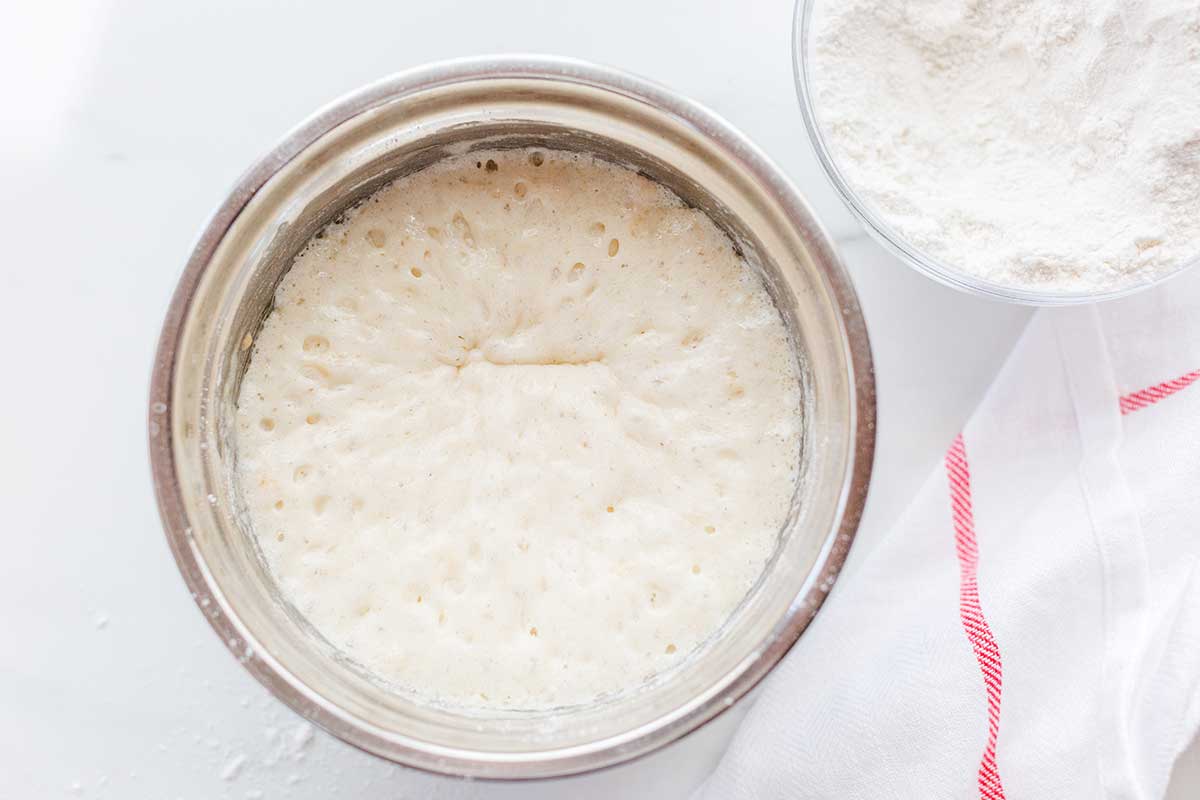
342	154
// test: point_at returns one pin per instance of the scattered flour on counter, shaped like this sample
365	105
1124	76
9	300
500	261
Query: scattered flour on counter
1042	145
233	767
521	430
302	737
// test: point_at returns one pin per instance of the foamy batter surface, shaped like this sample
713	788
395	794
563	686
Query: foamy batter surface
521	430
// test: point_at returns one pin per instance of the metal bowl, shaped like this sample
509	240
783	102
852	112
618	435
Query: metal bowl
344	153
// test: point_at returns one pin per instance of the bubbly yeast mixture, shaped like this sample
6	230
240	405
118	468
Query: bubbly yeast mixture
520	430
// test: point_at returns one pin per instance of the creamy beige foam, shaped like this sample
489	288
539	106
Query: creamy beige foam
521	430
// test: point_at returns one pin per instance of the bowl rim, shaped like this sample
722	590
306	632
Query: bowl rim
547	763
891	239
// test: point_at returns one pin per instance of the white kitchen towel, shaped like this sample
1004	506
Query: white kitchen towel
1030	628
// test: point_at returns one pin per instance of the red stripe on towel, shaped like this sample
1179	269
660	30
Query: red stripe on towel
974	623
1151	395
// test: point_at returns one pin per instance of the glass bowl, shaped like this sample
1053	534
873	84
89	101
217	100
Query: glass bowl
893	240
343	154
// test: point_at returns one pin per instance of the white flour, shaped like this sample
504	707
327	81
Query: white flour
1036	144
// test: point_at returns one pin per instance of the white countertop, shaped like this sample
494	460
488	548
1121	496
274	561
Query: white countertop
124	123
